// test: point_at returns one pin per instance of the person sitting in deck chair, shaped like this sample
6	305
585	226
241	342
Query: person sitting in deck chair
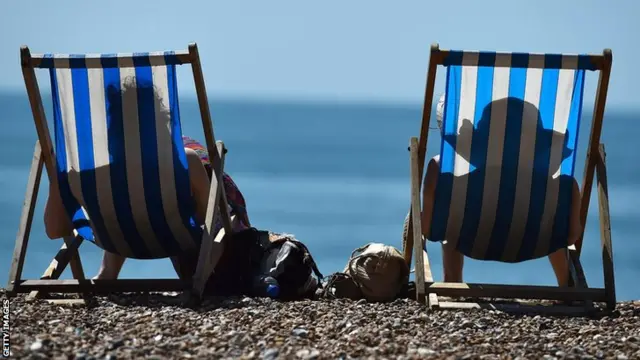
200	174
476	156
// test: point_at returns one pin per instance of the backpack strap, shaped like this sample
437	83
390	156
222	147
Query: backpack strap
355	255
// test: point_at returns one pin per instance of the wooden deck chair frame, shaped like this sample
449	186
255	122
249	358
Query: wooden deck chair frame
211	246
427	291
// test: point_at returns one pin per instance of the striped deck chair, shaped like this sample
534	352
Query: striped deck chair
121	168
507	158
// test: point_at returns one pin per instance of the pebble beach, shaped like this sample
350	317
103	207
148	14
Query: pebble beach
156	327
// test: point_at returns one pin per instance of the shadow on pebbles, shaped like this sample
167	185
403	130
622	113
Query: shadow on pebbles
155	327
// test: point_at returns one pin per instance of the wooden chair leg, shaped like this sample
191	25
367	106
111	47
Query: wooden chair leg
415	235
76	268
76	264
605	228
26	219
212	246
577	274
419	246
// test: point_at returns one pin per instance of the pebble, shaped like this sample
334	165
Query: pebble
308	354
425	352
577	350
300	332
150	327
36	346
270	354
116	344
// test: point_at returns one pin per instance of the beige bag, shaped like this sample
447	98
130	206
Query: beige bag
379	270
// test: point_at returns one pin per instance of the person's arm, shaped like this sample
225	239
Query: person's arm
56	223
200	184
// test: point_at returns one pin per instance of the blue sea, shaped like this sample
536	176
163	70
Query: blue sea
336	175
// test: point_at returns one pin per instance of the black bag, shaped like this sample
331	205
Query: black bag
250	253
235	270
291	264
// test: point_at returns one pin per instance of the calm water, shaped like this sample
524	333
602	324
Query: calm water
336	176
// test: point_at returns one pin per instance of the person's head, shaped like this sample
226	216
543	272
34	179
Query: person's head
512	109
133	89
134	100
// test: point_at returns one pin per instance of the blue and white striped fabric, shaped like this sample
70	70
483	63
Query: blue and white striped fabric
507	155
121	163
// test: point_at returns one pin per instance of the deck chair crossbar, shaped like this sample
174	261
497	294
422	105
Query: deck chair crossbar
95	67
414	245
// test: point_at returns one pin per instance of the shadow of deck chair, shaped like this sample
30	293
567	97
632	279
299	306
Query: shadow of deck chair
121	168
507	159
